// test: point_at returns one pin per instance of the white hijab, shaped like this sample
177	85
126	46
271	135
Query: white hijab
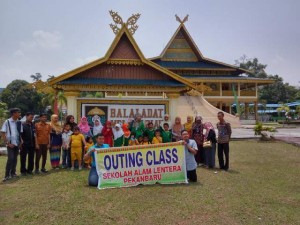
119	133
97	129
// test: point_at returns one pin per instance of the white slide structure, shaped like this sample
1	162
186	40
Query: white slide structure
197	105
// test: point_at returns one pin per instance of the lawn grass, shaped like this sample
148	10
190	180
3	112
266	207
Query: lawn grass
261	187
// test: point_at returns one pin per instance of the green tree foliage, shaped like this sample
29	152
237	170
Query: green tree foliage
20	94
253	65
273	93
3	111
36	76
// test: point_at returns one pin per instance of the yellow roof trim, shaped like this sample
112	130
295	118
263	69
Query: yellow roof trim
259	82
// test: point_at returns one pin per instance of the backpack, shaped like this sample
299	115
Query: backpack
19	124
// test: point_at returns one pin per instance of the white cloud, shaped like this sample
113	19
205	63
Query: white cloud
47	39
82	61
19	52
43	40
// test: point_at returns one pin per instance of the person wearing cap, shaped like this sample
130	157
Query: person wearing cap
11	134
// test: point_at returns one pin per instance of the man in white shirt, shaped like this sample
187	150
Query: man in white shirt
11	134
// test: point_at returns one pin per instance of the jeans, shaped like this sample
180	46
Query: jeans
12	158
66	157
27	150
223	149
93	177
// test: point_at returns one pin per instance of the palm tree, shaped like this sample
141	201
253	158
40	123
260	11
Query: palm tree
283	108
36	77
55	100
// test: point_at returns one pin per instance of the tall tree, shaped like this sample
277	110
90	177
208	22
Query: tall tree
273	93
36	76
253	65
20	94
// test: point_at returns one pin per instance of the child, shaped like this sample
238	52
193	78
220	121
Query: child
84	127
89	143
150	131
118	135
157	139
133	141
77	139
108	134
125	128
66	136
166	134
146	140
140	140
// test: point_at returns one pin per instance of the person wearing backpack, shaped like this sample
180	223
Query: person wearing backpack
224	135
11	134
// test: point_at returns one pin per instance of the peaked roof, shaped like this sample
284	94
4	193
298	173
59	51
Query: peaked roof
183	45
187	43
123	40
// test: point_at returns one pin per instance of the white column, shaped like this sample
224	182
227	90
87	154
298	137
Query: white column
72	103
256	90
173	105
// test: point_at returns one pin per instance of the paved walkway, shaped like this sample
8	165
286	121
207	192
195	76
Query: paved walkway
289	135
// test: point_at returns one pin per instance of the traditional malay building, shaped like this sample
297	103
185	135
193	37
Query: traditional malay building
180	82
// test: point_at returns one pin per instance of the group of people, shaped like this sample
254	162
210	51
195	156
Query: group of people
71	145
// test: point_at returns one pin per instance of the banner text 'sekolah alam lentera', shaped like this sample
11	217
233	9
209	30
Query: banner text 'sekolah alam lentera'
142	164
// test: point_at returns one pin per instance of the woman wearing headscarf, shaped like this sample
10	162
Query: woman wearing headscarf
189	125
197	135
70	120
55	141
126	133
166	120
108	134
97	128
210	135
176	129
84	127
118	136
137	125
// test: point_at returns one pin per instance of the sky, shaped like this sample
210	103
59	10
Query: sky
53	37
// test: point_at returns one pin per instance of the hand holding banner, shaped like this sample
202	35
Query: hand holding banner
142	164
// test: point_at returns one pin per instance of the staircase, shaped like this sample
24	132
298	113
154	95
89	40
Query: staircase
197	105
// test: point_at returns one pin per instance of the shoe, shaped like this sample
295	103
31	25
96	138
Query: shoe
29	172
44	170
24	174
14	175
5	179
57	168
80	168
37	172
63	166
72	168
